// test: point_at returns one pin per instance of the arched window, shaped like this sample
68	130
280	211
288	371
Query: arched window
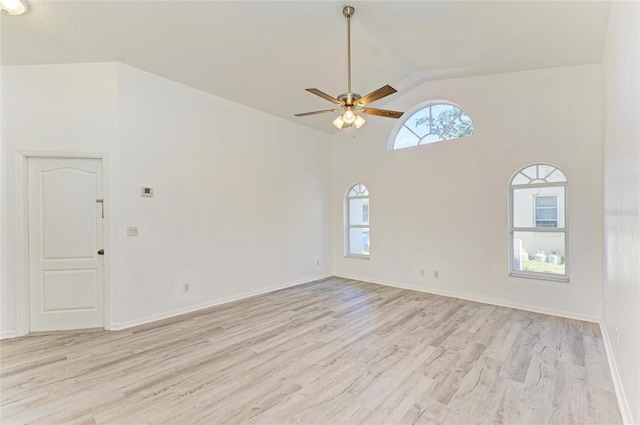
430	122
537	223
357	222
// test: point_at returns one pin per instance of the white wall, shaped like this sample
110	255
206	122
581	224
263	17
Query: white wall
241	199
621	169
443	206
57	108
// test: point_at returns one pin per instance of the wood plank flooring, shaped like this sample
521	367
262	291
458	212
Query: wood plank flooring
333	351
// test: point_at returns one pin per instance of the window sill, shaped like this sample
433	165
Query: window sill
357	256
563	279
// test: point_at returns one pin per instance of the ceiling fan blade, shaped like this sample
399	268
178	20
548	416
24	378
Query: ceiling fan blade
375	95
381	112
304	114
324	96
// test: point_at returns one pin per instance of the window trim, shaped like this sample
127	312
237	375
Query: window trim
565	278
408	114
348	226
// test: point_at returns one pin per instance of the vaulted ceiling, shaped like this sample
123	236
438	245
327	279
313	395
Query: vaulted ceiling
264	54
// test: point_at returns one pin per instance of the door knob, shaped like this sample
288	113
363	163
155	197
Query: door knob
101	252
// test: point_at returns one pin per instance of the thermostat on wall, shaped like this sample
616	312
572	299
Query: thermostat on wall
147	191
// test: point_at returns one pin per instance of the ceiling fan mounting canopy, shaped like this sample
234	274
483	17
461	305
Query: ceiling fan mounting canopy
348	11
350	102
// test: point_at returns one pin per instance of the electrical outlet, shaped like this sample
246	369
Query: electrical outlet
436	274
186	287
421	272
132	231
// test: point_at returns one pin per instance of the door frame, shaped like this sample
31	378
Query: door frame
22	232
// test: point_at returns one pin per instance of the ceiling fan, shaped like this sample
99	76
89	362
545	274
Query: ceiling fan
350	104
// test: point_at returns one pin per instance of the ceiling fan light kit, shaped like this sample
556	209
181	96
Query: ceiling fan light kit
14	7
352	103
348	119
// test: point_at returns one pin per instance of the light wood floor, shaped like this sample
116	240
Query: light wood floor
329	352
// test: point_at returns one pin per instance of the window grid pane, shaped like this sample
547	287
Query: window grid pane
539	252
359	240
358	211
433	123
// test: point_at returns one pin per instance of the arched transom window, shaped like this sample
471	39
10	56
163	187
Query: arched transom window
537	223
357	222
430	122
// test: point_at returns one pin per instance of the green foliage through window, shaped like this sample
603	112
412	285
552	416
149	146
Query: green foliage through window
434	123
451	123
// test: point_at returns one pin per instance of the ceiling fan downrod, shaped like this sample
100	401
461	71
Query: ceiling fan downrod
348	12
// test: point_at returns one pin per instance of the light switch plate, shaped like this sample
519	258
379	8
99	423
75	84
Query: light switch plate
132	231
146	192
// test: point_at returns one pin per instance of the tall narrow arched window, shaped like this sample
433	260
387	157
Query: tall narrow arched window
357	222
538	224
429	122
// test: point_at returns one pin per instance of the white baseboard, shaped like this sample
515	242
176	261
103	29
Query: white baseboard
623	404
501	303
8	334
208	304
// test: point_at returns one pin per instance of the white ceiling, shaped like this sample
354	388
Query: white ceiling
265	53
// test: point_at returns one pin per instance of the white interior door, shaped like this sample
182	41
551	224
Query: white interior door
65	235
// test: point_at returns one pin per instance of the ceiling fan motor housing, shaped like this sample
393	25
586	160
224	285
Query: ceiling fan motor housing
349	99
